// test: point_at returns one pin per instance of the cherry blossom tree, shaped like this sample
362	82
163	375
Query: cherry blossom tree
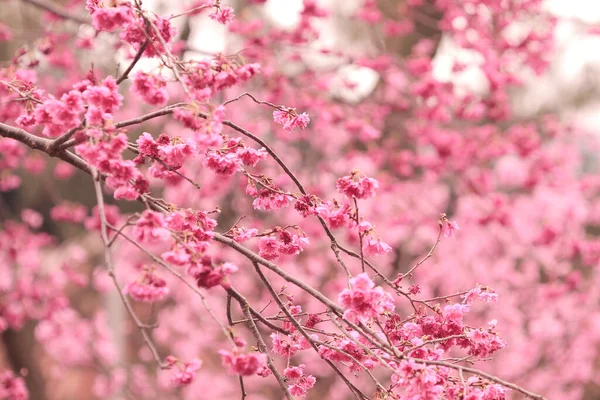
260	223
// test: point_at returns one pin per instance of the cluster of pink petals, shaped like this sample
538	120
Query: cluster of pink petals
483	293
208	276
149	288
27	293
364	301
207	77
302	383
437	149
12	387
232	156
484	343
281	242
449	228
417	381
240	234
5	33
245	364
473	390
168	153
223	15
357	185
104	152
336	216
353	355
290	119
288	346
151	227
268	198
186	372
94	222
58	116
307	205
196	224
151	88
109	18
375	246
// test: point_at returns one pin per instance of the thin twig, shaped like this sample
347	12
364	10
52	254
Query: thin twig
428	255
136	58
358	394
262	347
111	271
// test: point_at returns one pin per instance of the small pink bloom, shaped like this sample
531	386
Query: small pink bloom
363	300
250	156
450	228
373	246
149	289
290	120
358	186
223	15
32	218
186	373
243	364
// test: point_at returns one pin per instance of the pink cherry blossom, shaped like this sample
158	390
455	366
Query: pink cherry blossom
363	300
243	364
290	120
223	15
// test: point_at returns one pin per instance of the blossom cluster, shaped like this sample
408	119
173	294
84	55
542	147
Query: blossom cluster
293	237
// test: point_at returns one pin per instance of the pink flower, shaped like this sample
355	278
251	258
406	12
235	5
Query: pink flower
68	212
301	387
149	289
112	217
287	346
269	200
147	146
484	343
105	96
290	120
450	228
12	387
292	244
223	15
5	33
136	34
177	257
483	293
32	218
63	170
268	247
209	276
250	156
150	228
372	246
334	215
240	235
186	373
224	164
294	372
151	88
303	383
356	185
243	364
176	151
281	242
247	71
109	18
363	300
